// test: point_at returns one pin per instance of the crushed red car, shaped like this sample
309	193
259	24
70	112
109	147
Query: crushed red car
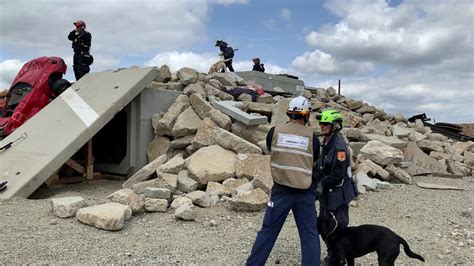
36	84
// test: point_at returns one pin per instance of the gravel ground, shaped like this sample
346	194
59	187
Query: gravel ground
436	223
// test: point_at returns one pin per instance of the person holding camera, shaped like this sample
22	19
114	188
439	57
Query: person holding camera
81	44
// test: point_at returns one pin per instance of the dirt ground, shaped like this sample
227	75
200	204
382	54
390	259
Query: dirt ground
436	223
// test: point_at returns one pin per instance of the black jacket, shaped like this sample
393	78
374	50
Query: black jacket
258	67
226	50
81	41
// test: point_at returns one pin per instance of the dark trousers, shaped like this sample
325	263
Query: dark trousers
80	69
283	200
228	64
330	222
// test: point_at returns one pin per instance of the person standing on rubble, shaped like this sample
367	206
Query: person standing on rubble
294	149
227	52
335	185
257	66
81	44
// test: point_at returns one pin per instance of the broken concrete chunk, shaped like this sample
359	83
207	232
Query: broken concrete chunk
67	206
156	205
212	163
254	200
145	173
108	216
128	197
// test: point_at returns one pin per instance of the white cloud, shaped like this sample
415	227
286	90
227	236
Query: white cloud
417	59
270	24
8	71
413	33
230	2
320	63
286	14
119	28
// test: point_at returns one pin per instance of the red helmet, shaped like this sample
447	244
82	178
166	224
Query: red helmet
79	23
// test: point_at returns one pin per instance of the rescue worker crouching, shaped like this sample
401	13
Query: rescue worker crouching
227	52
294	149
335	184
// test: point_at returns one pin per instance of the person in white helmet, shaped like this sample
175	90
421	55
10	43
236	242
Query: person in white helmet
294	150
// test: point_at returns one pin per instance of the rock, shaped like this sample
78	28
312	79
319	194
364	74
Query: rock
428	145
166	123
186	184
469	158
205	134
441	156
128	197
157	193
224	79
187	123
460	147
195	88
183	142
212	163
354	105
159	146
399	174
174	165
165	180
264	182
366	109
356	147
381	154
254	200
353	134
252	165
185	212
246	187
108	216
178	202
164	74
459	168
265	98
156	205
187	76
221	95
199	198
363	180
234	143
401	132
378	171
214	188
391	141
145	173
232	183
253	134
67	206
279	116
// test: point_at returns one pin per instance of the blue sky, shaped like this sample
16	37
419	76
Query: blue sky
406	57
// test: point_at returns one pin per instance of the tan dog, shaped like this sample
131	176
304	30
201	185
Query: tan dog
218	66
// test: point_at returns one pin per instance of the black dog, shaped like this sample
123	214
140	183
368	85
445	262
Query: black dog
354	242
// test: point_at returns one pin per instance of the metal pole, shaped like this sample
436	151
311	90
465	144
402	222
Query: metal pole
339	87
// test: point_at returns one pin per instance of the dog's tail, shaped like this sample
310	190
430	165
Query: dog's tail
408	251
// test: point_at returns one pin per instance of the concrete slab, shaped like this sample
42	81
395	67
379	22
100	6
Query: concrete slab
269	82
61	128
229	108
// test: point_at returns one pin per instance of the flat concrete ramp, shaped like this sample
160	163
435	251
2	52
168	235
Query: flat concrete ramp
60	129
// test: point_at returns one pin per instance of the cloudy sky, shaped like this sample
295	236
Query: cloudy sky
406	57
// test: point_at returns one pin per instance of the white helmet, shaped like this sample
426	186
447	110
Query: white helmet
300	105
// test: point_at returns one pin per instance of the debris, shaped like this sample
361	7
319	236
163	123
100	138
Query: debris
437	186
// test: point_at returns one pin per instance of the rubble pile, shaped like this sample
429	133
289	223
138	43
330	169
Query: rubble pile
201	157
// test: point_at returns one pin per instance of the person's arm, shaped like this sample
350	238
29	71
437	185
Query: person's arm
86	41
263	68
316	148
269	138
72	35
